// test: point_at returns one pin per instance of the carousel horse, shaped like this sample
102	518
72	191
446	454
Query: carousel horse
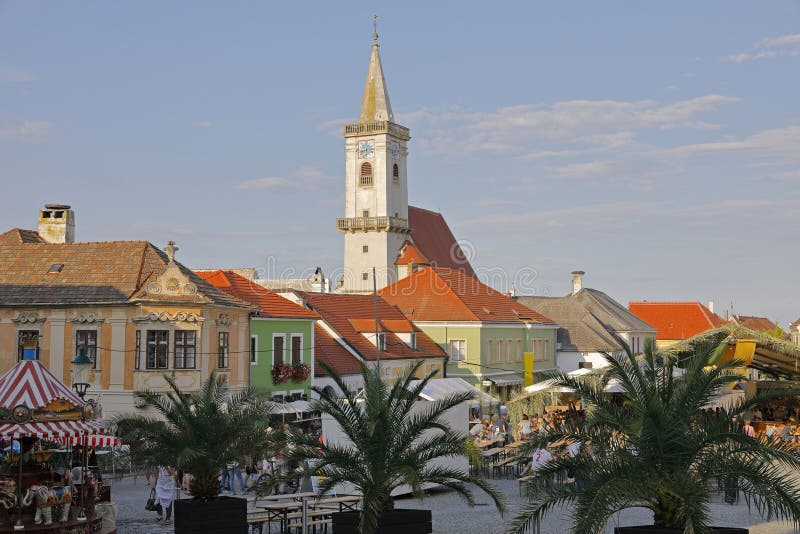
46	497
8	494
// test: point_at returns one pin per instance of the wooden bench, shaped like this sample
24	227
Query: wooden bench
313	524
256	520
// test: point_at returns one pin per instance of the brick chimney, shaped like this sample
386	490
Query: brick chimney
57	223
577	281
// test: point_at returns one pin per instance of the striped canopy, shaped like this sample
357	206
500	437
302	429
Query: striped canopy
32	384
95	440
51	430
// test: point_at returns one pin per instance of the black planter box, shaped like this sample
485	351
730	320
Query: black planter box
397	521
649	529
223	515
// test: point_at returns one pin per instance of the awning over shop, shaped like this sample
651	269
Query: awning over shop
95	440
441	387
53	430
505	380
301	406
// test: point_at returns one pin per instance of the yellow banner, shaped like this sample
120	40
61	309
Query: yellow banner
527	358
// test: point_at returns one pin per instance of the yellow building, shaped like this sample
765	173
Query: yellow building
134	310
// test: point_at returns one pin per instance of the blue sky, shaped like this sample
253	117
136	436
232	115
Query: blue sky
656	146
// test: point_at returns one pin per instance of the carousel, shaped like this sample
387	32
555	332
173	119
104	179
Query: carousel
46	430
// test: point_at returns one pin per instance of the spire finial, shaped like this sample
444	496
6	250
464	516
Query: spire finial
375	29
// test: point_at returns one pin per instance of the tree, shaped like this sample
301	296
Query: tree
392	443
199	431
661	449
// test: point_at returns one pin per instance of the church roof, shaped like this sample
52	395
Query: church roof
435	241
375	104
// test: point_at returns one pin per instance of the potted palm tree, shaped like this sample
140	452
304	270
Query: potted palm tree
392	443
200	432
661	449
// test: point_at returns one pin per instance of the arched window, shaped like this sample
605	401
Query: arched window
395	173
366	174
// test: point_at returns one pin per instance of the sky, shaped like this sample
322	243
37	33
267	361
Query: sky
655	146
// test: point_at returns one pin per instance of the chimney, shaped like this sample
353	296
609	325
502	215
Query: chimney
711	306
57	223
577	281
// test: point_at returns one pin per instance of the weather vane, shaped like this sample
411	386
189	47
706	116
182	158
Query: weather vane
375	28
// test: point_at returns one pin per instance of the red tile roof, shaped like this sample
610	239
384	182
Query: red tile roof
411	254
676	320
759	324
330	351
437	294
18	236
435	241
269	303
337	310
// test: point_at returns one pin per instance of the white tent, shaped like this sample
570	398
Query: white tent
440	387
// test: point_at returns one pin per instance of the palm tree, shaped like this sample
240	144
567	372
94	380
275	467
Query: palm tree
660	450
199	431
392	443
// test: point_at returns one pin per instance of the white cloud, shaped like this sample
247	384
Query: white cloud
768	47
204	124
498	203
9	74
270	182
28	131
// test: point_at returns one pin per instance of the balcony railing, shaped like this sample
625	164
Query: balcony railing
362	128
389	224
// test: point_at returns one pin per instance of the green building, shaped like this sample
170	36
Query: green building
484	332
281	359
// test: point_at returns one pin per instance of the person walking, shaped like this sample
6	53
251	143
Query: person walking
165	492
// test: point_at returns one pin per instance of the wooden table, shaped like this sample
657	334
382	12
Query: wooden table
345	502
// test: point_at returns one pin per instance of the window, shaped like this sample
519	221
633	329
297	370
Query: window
365	213
253	350
458	350
222	350
509	351
137	356
365	276
157	348
488	350
381	342
541	349
87	340
412	340
185	349
366	174
278	343
55	268
395	173
28	344
519	350
365	248
297	350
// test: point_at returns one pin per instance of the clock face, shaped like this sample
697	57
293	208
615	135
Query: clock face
395	150
366	149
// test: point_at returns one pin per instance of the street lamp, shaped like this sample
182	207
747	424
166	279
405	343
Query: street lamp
81	367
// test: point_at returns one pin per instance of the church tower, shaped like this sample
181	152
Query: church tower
375	222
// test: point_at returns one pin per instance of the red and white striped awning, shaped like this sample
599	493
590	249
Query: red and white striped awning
53	430
94	440
31	384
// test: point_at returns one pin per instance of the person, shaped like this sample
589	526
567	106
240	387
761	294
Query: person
235	473
757	415
149	471
165	492
524	427
748	429
540	457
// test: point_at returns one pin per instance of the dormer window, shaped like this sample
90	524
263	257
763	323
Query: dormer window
412	341
381	342
55	268
366	175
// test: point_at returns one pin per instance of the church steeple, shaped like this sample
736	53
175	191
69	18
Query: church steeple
375	104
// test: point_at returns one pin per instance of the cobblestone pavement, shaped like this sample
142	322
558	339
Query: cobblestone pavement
450	513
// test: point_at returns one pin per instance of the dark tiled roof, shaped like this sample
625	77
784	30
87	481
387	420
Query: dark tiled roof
109	272
759	324
18	236
435	241
436	294
269	303
338	309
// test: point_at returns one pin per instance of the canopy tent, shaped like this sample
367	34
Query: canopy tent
772	355
441	387
31	384
50	430
95	440
506	380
